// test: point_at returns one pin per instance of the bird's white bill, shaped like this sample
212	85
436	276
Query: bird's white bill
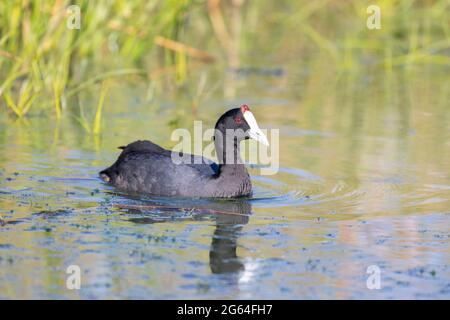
255	132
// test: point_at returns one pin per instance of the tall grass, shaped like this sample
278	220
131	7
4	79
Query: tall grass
41	57
43	63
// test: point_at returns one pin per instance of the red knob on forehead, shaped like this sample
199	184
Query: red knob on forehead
244	108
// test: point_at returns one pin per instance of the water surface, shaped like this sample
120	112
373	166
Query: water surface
364	180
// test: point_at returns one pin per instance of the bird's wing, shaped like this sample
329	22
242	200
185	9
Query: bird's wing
142	146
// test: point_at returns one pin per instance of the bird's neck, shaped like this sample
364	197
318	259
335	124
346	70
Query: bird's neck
227	149
232	172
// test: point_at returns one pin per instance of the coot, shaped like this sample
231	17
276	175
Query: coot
146	168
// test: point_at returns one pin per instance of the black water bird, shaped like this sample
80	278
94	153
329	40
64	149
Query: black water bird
146	168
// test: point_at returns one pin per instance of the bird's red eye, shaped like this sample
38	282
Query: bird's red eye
238	120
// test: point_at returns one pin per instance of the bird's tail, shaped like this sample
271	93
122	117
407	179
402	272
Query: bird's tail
105	175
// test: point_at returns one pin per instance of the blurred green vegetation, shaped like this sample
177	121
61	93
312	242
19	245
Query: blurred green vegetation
44	64
364	110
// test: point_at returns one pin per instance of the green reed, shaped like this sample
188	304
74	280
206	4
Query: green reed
43	63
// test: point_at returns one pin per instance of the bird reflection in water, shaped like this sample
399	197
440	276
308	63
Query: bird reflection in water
229	216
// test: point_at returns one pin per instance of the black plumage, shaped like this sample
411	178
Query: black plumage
146	168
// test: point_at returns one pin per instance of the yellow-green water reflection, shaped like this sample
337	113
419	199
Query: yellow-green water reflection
364	179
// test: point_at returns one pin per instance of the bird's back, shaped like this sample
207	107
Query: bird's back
145	167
